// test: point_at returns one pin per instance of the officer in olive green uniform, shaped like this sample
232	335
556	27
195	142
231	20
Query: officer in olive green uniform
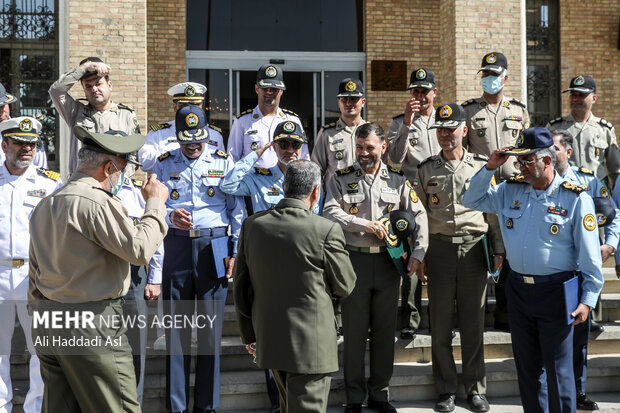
595	146
410	141
494	122
99	114
455	260
357	197
84	257
334	147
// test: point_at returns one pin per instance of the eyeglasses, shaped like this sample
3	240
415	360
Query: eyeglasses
284	144
525	164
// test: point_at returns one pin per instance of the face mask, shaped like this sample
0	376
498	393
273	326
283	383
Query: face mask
492	84
119	183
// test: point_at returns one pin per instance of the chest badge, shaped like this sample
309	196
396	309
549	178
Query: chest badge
481	132
254	146
354	210
509	223
339	155
210	191
516	205
413	141
174	195
434	199
554	229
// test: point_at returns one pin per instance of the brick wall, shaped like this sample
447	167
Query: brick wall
115	33
399	30
589	45
166	55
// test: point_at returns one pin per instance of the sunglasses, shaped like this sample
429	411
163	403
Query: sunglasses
524	164
284	144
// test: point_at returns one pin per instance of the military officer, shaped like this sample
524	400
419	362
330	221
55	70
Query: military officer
254	128
334	148
161	138
84	257
563	143
455	260
357	197
22	187
550	232
410	141
100	114
197	248
595	145
494	121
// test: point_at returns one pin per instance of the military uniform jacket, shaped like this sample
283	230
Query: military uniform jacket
544	231
251	130
162	138
82	243
116	117
492	128
441	185
354	198
19	195
411	145
295	262
334	148
594	145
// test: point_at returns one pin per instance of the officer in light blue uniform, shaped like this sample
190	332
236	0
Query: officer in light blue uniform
199	257
143	285
550	232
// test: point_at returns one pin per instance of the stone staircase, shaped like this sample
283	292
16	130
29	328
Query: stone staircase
411	388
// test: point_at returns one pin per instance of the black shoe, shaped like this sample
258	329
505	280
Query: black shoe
274	409
382	407
445	402
584	403
596	327
199	410
353	408
478	403
408	333
501	326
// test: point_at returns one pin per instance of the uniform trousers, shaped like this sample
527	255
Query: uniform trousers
542	344
581	334
372	304
134	306
190	282
302	393
411	299
457	279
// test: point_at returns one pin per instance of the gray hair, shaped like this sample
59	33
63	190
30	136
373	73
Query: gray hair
550	151
300	179
566	138
89	159
366	129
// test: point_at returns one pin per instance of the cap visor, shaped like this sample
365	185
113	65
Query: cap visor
197	136
7	99
120	145
266	83
185	99
424	85
297	138
350	95
491	68
521	151
446	124
30	138
578	89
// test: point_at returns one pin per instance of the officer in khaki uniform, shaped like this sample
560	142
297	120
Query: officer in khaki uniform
99	114
456	261
357	197
410	141
595	145
334	148
84	257
493	122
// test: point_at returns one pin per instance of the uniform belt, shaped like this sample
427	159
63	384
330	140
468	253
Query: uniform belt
15	263
368	250
457	240
199	232
541	279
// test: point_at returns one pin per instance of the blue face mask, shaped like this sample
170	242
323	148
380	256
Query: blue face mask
492	84
115	189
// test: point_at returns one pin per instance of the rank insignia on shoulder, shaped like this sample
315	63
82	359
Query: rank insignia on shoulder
395	170
124	106
215	128
53	175
468	102
160	126
430	158
329	125
481	157
262	171
517	179
221	154
586	171
605	123
290	112
174	195
517	102
556	120
164	156
245	112
572	187
344	171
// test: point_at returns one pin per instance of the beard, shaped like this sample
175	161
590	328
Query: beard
369	162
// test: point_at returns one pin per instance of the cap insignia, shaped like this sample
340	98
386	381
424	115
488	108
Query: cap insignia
289	127
271	71
445	112
420	74
491	59
191	120
190	91
350	86
25	125
579	81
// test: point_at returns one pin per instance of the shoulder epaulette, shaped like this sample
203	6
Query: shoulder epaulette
605	123
262	171
430	158
517	179
290	112
395	170
53	175
481	157
344	171
572	187
556	120
215	128
586	171
245	112
163	156
518	102
137	182
221	154
160	126
468	102
329	125
126	107
402	115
